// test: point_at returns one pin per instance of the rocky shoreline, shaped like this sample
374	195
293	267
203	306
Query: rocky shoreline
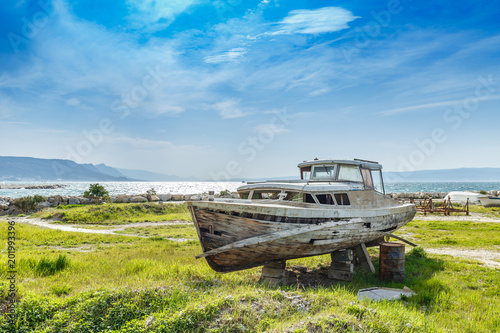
8	205
31	186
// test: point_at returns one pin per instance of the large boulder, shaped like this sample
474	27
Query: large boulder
73	201
45	204
152	197
4	205
165	197
121	199
55	199
177	197
84	201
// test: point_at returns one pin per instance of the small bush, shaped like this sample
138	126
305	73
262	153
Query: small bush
483	192
418	252
96	191
29	204
60	290
151	191
46	266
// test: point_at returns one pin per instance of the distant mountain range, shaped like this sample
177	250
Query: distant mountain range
431	176
37	169
446	175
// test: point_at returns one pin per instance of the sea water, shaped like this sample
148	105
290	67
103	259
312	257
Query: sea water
114	188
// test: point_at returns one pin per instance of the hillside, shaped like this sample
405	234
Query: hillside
446	175
37	169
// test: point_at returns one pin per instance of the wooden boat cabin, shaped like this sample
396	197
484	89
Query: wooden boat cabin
323	182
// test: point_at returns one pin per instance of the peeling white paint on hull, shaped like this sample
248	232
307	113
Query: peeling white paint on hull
233	242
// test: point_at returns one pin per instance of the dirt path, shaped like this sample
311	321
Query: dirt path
473	217
486	257
108	231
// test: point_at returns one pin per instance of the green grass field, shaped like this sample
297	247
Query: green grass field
73	282
472	235
117	213
185	231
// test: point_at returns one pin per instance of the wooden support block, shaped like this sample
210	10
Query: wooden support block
272	281
273	273
339	275
363	257
342	255
342	266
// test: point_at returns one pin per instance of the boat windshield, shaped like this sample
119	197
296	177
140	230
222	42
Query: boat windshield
324	171
350	173
378	182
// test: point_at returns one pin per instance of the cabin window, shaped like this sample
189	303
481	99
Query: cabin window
309	198
244	195
257	195
324	171
305	173
293	196
378	181
273	195
367	177
350	173
325	199
342	199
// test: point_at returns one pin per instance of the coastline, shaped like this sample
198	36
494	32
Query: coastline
8	204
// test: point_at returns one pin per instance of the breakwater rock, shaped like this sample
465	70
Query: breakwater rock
432	195
31	186
14	206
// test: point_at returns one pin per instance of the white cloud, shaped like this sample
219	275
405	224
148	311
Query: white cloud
271	128
154	15
73	101
433	105
234	55
146	144
14	123
318	21
229	109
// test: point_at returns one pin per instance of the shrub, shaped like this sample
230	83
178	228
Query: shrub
60	290
96	191
151	191
29	204
418	252
483	192
46	266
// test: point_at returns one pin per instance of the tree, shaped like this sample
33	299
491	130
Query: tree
96	191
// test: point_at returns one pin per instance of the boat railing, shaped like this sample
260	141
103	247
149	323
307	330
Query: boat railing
308	181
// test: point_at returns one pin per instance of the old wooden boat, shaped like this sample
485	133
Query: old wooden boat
489	201
335	205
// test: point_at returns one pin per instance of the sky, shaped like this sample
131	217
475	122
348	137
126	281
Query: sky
248	89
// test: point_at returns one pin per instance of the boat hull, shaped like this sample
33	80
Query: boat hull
490	201
233	240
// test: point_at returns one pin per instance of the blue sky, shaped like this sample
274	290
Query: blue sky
236	88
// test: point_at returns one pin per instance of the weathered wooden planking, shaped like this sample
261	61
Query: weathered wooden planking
363	257
257	240
291	210
275	251
219	228
340	275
